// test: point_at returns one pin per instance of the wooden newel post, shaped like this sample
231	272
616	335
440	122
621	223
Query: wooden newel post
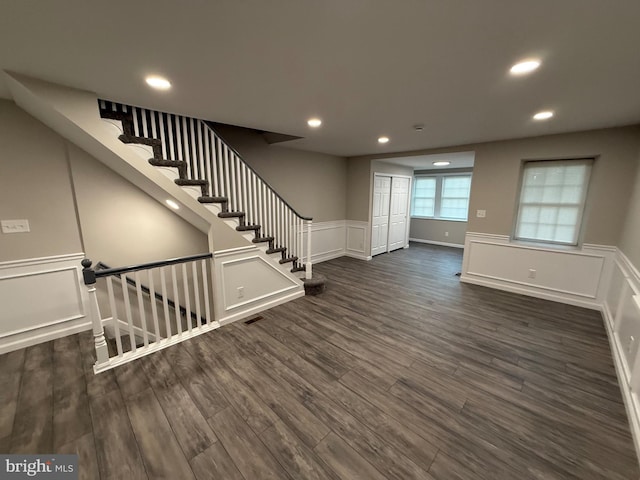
307	270
89	275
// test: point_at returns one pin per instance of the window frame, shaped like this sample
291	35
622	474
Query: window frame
438	197
582	206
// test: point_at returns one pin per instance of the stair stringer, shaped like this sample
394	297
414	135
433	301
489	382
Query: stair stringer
74	115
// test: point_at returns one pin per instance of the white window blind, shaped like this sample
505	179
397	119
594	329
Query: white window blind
424	197
441	196
552	200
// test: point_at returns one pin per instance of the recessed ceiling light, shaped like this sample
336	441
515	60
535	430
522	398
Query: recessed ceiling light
158	83
173	204
383	139
314	122
441	164
526	66
543	115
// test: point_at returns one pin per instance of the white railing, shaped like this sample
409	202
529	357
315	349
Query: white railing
207	157
150	307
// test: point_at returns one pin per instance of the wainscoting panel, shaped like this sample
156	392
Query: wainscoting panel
327	240
249	282
357	239
41	299
575	276
621	311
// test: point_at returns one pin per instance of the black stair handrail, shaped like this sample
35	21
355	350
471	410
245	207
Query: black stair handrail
102	270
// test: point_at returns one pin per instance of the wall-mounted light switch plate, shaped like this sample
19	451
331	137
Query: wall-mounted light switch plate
15	226
481	213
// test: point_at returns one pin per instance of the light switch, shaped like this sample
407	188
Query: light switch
15	226
481	213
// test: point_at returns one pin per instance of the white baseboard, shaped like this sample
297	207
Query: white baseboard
433	242
522	290
359	256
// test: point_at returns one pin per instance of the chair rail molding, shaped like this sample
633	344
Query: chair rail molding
61	306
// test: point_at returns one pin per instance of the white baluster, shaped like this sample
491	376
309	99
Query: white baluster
154	306
187	298
196	292
114	315
226	177
143	317
205	287
165	302
245	196
127	309
176	299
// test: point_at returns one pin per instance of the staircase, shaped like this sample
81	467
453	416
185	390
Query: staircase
190	152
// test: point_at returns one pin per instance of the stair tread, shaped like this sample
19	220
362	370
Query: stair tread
188	181
144	140
247	228
230	214
300	268
166	163
213	199
288	259
277	250
262	239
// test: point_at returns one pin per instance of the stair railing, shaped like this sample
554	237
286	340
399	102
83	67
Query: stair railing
140	318
205	157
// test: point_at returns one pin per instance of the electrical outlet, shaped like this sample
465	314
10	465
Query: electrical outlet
240	292
15	226
532	273
446	234
481	213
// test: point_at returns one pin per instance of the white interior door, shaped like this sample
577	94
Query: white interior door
380	214
398	213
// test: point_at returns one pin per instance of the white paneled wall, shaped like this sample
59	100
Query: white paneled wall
577	276
338	238
621	310
41	299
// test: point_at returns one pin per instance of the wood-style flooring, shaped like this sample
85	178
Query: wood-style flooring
398	371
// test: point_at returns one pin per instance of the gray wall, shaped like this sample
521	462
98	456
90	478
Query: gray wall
314	184
630	243
496	175
35	185
436	230
40	173
121	224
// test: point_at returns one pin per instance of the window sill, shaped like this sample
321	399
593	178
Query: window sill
439	219
546	245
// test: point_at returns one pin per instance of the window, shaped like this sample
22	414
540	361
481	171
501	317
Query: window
441	196
552	200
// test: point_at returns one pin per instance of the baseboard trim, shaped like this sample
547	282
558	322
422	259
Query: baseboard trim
433	242
359	256
592	305
7	345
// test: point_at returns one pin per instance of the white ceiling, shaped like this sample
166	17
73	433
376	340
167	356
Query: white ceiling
425	162
366	67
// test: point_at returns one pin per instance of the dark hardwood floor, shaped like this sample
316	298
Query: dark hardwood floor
397	371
